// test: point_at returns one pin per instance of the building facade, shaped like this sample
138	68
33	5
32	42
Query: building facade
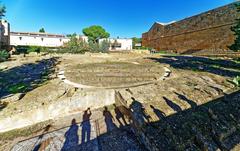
37	39
119	44
4	34
207	31
82	38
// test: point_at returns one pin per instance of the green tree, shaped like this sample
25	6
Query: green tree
136	40
71	35
42	30
236	30
2	10
95	33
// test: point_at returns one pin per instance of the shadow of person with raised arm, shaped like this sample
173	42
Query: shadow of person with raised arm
71	137
119	116
174	106
190	102
86	126
108	120
161	115
139	112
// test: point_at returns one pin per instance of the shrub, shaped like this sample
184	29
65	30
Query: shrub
77	46
102	47
235	29
18	88
28	49
36	49
4	55
74	46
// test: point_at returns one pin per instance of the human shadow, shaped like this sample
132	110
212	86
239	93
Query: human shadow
210	126
71	136
184	98
24	78
41	145
173	105
138	110
86	126
221	67
161	115
108	120
119	116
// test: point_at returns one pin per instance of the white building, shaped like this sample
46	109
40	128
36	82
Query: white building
37	39
119	44
82	38
4	34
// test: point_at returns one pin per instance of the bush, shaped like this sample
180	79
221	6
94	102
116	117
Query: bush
77	46
36	49
28	49
4	55
237	60
74	46
102	47
142	48
237	81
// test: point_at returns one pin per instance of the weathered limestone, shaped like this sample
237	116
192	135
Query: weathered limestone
65	106
13	98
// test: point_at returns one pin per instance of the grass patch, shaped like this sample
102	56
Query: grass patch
215	66
163	52
20	87
237	60
196	70
236	81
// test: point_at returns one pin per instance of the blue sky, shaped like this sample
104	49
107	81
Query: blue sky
123	18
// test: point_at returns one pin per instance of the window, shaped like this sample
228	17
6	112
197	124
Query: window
60	40
116	45
42	39
20	38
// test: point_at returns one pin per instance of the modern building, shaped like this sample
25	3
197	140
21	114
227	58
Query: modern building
4	34
37	39
119	44
207	31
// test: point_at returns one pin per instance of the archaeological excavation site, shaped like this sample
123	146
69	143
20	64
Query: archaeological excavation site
125	101
176	87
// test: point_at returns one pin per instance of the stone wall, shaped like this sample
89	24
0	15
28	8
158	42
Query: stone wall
206	31
4	34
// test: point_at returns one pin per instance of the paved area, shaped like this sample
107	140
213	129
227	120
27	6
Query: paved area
68	138
62	77
192	82
102	134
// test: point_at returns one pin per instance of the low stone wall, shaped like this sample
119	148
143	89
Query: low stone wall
79	102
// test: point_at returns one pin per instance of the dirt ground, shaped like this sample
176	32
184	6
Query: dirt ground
29	83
